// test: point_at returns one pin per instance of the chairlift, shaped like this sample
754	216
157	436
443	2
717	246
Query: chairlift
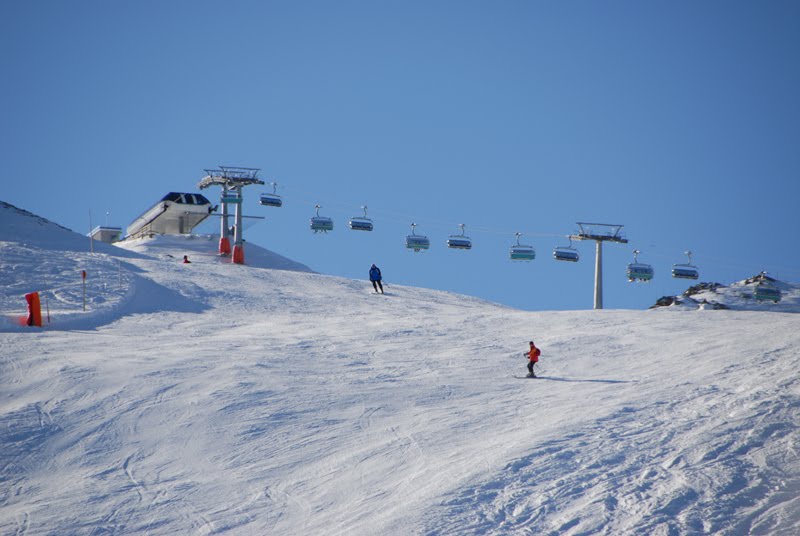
459	241
685	271
566	253
415	241
273	199
321	224
359	223
638	271
520	252
765	291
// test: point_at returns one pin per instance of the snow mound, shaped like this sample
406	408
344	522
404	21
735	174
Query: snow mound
739	296
203	248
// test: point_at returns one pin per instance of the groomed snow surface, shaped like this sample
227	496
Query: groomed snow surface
210	398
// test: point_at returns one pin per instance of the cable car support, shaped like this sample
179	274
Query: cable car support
605	233
232	180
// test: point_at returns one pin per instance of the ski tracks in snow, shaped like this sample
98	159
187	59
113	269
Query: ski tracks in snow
635	472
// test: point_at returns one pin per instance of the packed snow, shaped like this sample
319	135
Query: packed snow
212	398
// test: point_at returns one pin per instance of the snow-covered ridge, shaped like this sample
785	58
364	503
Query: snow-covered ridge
18	226
18	218
739	296
210	398
204	248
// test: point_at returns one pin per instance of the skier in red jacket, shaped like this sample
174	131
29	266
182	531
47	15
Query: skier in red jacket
533	358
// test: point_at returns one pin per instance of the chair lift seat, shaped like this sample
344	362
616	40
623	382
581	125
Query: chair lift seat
271	200
684	271
459	242
321	224
522	253
361	224
765	292
417	242
640	272
566	254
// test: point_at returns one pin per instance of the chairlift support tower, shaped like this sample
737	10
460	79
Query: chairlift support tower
232	180
599	232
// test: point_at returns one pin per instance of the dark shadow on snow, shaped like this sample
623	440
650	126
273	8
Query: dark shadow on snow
581	380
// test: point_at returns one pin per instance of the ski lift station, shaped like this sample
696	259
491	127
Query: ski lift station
106	234
176	213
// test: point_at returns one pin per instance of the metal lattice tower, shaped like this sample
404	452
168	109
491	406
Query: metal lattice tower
232	180
599	232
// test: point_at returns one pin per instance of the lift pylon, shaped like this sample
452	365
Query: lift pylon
232	180
599	232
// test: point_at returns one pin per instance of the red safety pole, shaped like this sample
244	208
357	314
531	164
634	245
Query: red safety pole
46	299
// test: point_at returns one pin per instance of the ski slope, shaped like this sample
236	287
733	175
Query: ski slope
210	398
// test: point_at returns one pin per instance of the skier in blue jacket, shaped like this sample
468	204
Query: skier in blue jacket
375	277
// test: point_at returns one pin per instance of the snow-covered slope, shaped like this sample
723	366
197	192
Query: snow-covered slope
39	255
211	398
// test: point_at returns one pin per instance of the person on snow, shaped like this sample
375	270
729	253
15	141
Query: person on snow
533	358
186	259
375	277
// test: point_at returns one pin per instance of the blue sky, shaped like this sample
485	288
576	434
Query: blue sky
679	120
